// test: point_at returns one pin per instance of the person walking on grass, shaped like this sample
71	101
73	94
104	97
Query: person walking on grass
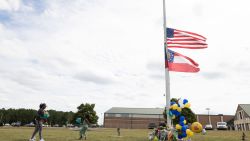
40	118
83	128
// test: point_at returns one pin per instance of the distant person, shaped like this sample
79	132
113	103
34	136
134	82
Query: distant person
39	120
204	131
84	128
118	132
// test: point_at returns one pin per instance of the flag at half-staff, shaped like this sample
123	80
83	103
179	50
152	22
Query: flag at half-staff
185	39
179	63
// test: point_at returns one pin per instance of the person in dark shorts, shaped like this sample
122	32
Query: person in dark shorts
39	120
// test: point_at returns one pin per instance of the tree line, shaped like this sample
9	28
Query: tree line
26	116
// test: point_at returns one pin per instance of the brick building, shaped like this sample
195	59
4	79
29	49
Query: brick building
136	118
242	117
204	120
133	118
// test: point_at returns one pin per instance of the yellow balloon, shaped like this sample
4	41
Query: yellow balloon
178	109
155	139
175	106
171	107
188	131
187	105
173	117
185	122
191	134
178	127
196	127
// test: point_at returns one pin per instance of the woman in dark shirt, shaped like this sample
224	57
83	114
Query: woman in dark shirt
39	120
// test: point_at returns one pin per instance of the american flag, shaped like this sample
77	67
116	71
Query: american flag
184	39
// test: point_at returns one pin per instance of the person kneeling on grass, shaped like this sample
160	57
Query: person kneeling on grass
40	118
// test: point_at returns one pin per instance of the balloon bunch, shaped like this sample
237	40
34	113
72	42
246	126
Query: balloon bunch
182	129
176	108
175	113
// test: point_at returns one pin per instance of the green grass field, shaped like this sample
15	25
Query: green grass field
63	134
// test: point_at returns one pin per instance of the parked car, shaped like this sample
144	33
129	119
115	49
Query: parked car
221	126
151	125
208	127
17	124
56	125
30	124
45	125
93	125
70	125
7	124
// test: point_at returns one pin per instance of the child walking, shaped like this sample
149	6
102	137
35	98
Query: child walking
39	120
83	128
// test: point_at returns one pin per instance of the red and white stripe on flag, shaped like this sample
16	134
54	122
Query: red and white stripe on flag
185	39
180	63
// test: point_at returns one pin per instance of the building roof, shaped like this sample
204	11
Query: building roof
213	115
246	108
144	111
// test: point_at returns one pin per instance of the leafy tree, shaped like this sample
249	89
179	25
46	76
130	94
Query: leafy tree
59	117
26	116
87	111
1	117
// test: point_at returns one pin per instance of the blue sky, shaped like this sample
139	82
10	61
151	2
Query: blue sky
110	52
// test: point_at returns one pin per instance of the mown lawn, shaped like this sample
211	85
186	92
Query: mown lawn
63	134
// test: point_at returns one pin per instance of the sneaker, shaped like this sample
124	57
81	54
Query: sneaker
34	139
42	140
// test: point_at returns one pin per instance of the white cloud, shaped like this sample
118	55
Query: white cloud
10	5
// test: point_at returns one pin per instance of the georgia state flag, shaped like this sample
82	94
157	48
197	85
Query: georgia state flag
177	62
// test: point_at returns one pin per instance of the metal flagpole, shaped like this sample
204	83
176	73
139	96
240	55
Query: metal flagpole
166	68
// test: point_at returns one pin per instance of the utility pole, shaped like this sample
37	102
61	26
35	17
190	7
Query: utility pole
209	120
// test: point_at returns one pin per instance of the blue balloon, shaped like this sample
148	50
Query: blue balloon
184	134
182	118
183	129
173	112
181	123
179	136
178	113
185	101
172	103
